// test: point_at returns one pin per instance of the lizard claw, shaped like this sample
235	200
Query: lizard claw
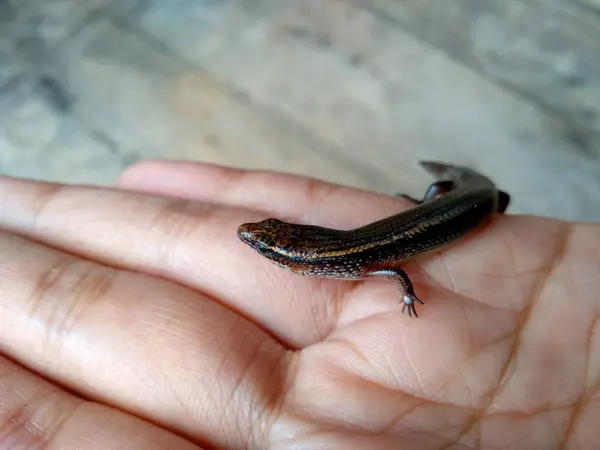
409	301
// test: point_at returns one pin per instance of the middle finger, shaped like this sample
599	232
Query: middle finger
145	345
189	242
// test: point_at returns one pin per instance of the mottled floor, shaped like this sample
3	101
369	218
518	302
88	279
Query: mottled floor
347	90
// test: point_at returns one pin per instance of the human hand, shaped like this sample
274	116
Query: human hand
145	304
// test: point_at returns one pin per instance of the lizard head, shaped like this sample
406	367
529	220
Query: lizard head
272	238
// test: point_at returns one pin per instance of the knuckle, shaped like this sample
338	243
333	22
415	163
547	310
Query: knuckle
64	293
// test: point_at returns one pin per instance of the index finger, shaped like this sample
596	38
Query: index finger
195	243
192	243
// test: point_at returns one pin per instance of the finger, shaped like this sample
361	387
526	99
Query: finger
144	345
38	414
193	244
294	197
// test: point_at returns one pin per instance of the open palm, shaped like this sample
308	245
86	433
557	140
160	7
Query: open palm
135	318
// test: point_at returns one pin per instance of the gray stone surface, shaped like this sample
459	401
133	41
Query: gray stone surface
38	142
30	30
545	50
340	90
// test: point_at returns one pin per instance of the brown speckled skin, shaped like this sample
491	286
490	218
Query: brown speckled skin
461	202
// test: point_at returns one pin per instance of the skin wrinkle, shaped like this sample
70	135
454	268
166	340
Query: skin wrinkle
289	369
441	254
596	383
462	297
476	419
577	407
419	402
65	417
239	382
180	219
90	288
210	396
585	396
312	424
49	278
169	315
315	192
477	353
214	386
553	261
271	403
302	200
380	314
333	297
412	366
339	426
170	385
85	291
513	259
52	192
231	181
451	281
470	391
235	180
263	388
43	395
516	414
442	257
15	421
469	358
556	259
394	421
523	320
478	411
386	429
351	347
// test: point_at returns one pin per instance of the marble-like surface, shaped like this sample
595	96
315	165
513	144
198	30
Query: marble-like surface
348	91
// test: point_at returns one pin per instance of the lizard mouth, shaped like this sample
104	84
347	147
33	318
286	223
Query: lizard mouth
247	233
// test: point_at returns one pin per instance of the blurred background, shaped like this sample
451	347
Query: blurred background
351	91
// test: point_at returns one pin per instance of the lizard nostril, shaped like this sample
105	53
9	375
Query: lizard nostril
244	232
